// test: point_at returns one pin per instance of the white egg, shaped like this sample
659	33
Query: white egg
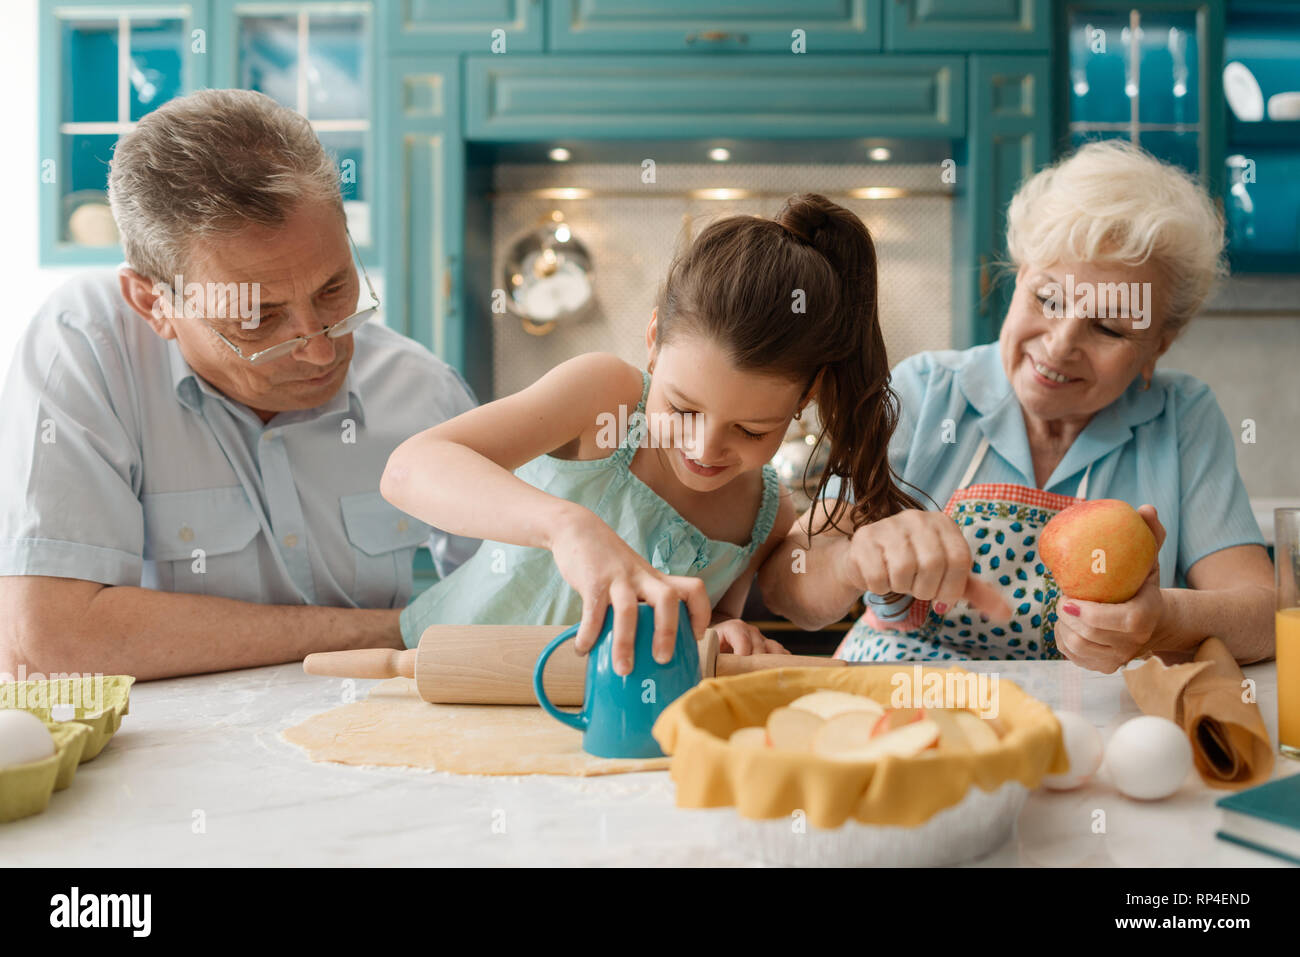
1148	757
23	738
1083	745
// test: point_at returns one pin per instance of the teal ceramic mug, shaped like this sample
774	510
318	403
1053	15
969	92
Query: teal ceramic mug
618	712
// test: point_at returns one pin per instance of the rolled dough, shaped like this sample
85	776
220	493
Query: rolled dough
394	727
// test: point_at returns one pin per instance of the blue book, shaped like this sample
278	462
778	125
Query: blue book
1265	818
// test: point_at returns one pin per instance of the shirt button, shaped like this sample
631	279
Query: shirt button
291	540
186	534
401	525
268	436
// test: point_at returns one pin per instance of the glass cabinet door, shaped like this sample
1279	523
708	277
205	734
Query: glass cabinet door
1137	74
1261	53
111	70
315	59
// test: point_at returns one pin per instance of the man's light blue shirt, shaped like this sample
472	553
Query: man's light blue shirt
1168	446
123	466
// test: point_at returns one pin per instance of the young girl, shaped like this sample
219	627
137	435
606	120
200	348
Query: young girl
757	318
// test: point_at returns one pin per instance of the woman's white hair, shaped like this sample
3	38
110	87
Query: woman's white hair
212	163
1113	202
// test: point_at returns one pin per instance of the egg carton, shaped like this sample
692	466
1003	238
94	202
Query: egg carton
25	789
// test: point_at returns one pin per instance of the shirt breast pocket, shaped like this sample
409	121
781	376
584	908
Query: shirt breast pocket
201	542
384	540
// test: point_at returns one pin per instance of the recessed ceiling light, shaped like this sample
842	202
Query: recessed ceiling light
563	192
560	154
880	154
876	192
719	155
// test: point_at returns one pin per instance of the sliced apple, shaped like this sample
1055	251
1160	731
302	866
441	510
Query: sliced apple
895	718
906	742
748	738
978	732
827	704
792	728
844	732
951	737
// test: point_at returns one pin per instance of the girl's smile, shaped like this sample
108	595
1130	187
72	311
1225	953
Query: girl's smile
699	468
738	418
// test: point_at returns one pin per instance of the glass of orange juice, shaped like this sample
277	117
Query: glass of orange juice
1286	560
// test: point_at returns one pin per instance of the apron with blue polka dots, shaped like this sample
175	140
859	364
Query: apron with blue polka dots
1001	523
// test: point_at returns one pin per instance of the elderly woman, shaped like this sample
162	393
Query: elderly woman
1115	252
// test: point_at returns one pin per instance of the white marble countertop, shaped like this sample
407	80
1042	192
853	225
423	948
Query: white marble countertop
207	751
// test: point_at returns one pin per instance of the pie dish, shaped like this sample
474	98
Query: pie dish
888	792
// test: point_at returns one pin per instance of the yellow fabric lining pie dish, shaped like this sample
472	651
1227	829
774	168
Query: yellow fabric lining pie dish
25	789
892	791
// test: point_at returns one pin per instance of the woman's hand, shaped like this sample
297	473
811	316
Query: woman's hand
1105	637
605	572
741	638
922	554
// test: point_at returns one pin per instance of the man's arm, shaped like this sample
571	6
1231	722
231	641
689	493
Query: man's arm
66	625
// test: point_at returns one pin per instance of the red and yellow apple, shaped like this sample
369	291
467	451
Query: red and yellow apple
1098	551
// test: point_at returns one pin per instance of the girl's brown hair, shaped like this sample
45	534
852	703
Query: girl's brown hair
796	296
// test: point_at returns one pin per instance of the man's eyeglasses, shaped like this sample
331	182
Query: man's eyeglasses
333	331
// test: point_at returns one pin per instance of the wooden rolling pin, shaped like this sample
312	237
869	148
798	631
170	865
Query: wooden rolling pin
493	664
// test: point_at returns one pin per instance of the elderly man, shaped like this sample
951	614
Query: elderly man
191	475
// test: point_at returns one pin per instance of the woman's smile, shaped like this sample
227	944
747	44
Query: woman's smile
1048	376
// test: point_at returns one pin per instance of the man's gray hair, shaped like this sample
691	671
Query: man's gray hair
212	163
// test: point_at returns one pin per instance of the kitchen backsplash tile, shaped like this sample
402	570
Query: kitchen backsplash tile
1249	362
632	239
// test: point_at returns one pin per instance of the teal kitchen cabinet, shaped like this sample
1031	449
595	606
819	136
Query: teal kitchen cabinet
1150	72
102	67
1010	138
968	25
714	26
531	98
423	192
1261	153
462	26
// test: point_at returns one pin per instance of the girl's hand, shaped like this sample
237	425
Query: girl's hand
1105	637
740	638
922	554
605	573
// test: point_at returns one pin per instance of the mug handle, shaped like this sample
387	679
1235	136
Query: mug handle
579	720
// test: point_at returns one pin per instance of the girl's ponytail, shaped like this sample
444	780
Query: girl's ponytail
797	296
858	410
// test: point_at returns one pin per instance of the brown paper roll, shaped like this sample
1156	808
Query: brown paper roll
1230	744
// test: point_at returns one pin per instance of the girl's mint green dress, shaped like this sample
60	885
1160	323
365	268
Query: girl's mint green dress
515	585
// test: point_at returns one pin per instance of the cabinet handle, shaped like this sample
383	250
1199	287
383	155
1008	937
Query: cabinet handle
984	285
716	36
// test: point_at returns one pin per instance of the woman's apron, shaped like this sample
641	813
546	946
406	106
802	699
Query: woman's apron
1001	523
